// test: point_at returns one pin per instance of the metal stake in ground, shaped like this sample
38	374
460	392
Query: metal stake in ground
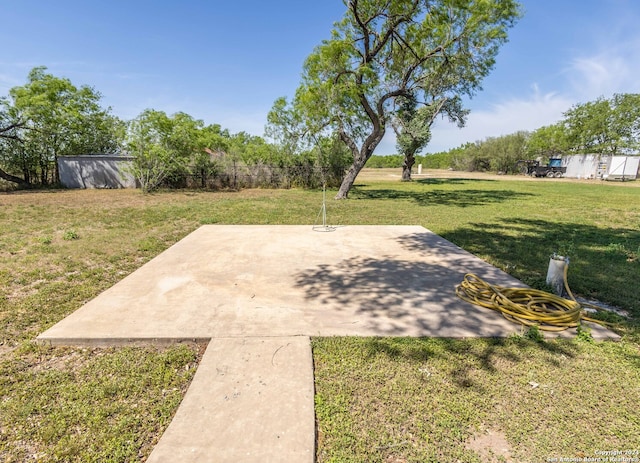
323	212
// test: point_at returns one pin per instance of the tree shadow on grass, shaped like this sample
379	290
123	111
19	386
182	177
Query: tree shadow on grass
452	181
471	356
604	262
437	181
459	198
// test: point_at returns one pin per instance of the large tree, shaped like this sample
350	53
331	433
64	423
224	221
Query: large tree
168	148
383	50
605	126
412	125
49	117
162	146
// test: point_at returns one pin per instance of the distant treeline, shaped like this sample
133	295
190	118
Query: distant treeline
49	117
429	161
499	154
603	126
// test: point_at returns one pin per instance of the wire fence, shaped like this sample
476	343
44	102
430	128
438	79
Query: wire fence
241	176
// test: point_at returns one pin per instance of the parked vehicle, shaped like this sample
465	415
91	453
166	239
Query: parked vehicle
535	169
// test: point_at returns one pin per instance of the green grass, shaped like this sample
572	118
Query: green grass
516	226
107	405
390	400
423	400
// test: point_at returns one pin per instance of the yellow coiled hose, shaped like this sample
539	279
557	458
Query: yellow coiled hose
525	305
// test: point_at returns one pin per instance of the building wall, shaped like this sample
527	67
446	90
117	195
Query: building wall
96	171
585	165
602	167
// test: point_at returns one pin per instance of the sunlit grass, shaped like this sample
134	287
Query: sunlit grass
60	249
425	400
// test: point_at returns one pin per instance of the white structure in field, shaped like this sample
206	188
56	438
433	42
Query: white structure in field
601	166
96	171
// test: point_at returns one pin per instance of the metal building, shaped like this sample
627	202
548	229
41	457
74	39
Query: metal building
96	171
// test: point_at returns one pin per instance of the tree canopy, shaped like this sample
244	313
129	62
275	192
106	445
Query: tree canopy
49	117
412	125
604	126
384	50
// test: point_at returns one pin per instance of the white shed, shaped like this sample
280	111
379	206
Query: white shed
585	165
96	171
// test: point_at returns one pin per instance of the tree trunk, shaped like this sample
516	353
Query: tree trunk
13	179
350	178
362	155
56	172
409	161
360	158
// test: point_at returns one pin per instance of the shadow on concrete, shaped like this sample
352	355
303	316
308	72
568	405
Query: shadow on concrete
399	296
395	291
432	245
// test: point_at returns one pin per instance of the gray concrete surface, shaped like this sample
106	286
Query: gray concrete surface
258	293
239	281
252	401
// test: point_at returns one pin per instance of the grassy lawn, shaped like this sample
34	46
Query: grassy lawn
437	400
382	400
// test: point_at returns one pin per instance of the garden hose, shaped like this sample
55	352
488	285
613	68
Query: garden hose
529	307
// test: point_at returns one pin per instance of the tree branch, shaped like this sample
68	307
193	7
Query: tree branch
392	29
393	94
348	141
353	4
8	136
412	69
13	179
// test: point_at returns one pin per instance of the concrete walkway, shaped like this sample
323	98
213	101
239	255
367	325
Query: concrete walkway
252	401
258	293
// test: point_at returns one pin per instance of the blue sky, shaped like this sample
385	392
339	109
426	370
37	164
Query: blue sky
226	61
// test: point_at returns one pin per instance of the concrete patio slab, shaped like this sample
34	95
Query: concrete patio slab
258	293
238	281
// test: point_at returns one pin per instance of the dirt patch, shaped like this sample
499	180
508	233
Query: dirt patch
392	459
492	446
6	349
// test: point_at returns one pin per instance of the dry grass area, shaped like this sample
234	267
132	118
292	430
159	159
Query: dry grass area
393	400
78	404
58	249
